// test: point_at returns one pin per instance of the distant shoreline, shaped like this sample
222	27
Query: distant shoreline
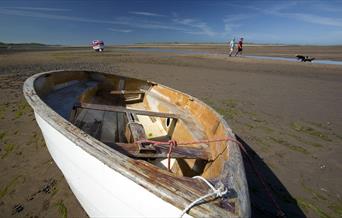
330	53
36	45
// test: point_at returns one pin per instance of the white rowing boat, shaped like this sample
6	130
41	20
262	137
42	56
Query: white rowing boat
115	140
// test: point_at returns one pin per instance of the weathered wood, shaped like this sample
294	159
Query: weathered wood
177	190
172	127
73	115
102	107
90	122
124	92
138	134
121	126
132	150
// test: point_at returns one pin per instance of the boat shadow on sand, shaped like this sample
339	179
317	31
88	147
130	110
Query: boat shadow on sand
261	203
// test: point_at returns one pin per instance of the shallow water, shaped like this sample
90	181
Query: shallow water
293	59
179	51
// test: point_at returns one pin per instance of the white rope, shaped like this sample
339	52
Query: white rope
206	181
216	192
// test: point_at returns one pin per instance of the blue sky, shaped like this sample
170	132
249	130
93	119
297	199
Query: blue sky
77	22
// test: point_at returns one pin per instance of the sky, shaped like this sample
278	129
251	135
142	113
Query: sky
78	22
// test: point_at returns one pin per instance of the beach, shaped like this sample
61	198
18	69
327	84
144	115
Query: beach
288	114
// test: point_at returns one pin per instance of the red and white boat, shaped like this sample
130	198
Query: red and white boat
98	45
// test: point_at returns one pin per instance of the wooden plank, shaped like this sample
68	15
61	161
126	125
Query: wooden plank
109	127
90	122
138	134
132	150
125	92
102	107
121	126
137	131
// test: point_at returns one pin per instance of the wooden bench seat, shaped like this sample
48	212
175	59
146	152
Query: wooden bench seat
132	150
137	133
102	107
124	92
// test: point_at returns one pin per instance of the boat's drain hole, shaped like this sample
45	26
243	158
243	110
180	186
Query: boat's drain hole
168	122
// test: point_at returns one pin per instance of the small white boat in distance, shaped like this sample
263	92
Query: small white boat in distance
115	140
98	45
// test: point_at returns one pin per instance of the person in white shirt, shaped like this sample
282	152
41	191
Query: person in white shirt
232	46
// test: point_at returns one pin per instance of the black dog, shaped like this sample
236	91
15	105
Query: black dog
303	58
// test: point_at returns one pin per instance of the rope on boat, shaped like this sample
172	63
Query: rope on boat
173	143
190	142
217	193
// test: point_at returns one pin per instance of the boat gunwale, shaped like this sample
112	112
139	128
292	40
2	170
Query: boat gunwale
123	164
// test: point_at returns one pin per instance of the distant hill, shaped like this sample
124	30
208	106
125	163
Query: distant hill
22	45
15	47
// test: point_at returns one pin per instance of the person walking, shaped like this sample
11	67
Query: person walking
232	46
239	48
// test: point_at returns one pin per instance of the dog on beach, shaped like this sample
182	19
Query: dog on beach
303	58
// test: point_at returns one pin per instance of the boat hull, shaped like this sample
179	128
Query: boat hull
110	184
98	47
101	191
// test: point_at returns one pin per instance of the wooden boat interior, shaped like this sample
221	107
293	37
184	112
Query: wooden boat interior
126	114
123	113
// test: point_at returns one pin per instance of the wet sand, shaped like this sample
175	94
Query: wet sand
288	114
319	52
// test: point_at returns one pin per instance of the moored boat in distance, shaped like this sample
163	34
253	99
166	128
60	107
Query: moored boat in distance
135	148
98	45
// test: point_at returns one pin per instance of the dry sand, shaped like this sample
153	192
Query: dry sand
288	114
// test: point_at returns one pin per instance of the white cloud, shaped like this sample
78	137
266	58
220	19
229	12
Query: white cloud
120	30
325	6
38	8
144	13
125	21
315	19
233	21
35	14
187	25
279	10
197	27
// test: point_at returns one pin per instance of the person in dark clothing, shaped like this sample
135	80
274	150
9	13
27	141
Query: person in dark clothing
239	48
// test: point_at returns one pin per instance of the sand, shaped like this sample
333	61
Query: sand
319	52
287	113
